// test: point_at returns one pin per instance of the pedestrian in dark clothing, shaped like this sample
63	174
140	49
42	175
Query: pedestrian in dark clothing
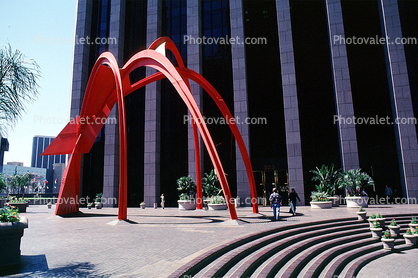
292	197
275	203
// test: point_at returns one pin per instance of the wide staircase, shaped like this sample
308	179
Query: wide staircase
333	248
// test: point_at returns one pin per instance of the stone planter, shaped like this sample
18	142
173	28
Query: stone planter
357	201
10	236
98	205
376	232
362	215
335	201
388	243
381	222
89	206
410	239
20	206
413	226
217	206
321	205
142	206
186	204
49	206
394	230
371	220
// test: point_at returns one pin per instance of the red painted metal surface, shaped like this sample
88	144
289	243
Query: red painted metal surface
107	85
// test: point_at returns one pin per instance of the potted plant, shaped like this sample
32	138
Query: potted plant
187	188
410	237
320	201
394	228
142	205
49	205
388	241
210	184
12	226
98	201
362	214
376	230
414	223
371	219
217	203
89	205
327	177
353	181
381	220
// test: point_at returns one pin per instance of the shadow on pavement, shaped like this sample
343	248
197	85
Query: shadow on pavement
80	214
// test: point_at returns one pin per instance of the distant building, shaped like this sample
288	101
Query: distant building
38	176
39	144
4	147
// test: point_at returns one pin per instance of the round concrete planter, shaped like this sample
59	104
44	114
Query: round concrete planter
217	206
357	201
381	222
142	206
321	205
10	236
394	230
388	243
410	239
186	204
98	205
371	220
335	201
376	232
362	215
413	226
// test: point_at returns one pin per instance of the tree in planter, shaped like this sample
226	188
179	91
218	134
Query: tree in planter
211	186
186	187
327	177
353	180
19	182
3	183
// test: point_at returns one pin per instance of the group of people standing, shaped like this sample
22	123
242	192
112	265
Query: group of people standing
276	201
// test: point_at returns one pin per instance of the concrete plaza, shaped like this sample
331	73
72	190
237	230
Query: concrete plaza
156	242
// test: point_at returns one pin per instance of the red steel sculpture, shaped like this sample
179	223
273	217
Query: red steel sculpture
109	84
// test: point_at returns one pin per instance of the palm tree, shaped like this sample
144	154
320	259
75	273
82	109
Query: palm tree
19	182
18	84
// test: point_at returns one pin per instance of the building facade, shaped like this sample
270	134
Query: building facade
333	81
39	144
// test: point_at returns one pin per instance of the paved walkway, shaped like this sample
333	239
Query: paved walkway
158	241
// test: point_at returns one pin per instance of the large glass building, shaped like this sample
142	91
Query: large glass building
333	81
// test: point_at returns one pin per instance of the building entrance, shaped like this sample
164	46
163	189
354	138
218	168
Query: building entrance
267	180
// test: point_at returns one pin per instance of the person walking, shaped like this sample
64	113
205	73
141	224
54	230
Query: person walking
162	200
275	203
388	194
292	197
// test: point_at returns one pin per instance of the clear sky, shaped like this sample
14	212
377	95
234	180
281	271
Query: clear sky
44	31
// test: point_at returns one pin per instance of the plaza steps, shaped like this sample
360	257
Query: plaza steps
317	249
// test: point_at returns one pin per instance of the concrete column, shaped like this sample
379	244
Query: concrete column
194	62
405	133
152	138
290	98
81	62
239	78
111	148
342	87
